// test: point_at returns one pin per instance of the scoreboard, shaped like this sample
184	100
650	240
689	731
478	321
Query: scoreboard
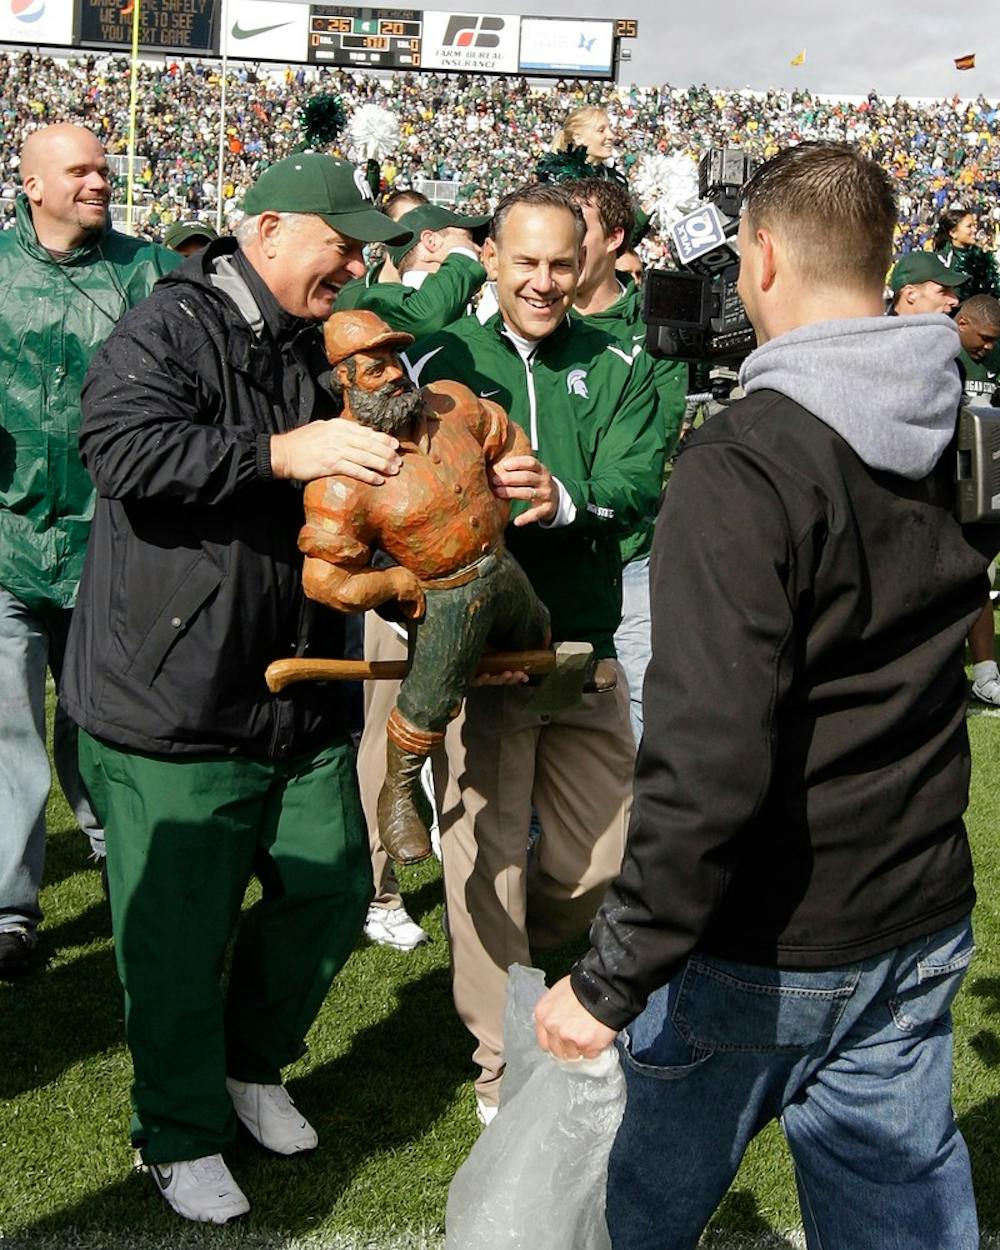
189	26
377	38
301	31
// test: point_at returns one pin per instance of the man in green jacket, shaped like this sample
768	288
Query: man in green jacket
978	322
611	302
438	273
66	278
421	287
593	475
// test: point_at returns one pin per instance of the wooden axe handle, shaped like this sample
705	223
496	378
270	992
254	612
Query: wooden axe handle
281	673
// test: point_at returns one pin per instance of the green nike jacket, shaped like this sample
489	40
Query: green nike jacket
589	408
437	302
623	320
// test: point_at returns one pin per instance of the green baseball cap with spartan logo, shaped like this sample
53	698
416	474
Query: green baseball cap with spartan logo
330	188
920	267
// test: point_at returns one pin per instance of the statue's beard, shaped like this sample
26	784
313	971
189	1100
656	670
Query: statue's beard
389	409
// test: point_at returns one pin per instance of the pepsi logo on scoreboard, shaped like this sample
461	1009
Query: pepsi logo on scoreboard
43	22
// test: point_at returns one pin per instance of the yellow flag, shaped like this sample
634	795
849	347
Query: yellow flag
966	62
800	59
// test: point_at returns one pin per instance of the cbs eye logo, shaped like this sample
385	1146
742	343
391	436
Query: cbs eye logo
473	32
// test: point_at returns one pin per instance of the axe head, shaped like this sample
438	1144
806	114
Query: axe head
563	687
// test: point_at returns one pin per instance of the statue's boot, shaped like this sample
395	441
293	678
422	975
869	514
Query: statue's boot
402	831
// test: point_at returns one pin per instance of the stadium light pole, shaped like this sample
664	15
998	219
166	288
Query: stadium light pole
222	115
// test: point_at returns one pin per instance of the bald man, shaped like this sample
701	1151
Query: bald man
67	279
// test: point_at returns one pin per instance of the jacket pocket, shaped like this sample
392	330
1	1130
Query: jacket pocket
200	581
726	1006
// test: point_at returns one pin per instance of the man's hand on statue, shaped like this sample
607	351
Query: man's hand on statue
566	1029
327	448
408	593
524	477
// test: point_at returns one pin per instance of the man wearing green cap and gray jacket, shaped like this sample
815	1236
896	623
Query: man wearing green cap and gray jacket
201	418
439	273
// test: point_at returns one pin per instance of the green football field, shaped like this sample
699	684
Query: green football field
387	1083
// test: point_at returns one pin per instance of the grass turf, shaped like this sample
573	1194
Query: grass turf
386	1082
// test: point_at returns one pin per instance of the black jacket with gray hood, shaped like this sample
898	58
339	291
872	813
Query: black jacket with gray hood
805	766
192	582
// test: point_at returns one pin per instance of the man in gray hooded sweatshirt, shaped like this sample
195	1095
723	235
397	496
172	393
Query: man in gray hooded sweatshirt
791	921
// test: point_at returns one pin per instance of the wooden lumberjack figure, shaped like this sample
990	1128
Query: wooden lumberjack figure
439	519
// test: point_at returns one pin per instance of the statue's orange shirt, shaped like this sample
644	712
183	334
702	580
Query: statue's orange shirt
438	514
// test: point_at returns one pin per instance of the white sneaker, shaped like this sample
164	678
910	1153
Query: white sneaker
392	926
987	691
486	1112
271	1118
200	1189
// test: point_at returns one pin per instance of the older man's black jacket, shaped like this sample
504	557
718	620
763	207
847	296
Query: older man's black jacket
192	583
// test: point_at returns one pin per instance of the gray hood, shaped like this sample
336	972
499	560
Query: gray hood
889	386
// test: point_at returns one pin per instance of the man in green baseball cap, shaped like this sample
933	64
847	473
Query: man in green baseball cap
427	281
194	565
186	237
436	230
922	283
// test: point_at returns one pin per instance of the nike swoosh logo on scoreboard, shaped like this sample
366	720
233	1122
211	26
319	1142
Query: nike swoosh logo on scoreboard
239	33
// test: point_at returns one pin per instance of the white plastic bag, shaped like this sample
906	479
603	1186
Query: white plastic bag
536	1177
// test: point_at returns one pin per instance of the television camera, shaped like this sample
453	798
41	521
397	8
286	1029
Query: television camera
693	312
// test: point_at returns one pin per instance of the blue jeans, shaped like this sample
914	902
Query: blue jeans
29	646
856	1064
632	637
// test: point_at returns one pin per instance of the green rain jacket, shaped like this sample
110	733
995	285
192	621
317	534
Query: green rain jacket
589	409
623	321
53	318
441	298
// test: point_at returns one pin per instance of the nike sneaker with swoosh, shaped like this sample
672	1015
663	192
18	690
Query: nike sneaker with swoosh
271	1118
200	1189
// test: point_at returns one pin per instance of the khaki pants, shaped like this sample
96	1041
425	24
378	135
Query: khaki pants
381	643
576	768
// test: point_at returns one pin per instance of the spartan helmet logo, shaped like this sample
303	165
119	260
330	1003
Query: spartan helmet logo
576	383
361	182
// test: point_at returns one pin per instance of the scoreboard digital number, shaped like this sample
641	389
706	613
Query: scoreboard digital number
382	38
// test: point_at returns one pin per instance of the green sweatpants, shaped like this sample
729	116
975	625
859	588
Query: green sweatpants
184	837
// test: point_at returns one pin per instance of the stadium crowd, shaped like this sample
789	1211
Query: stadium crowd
477	131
